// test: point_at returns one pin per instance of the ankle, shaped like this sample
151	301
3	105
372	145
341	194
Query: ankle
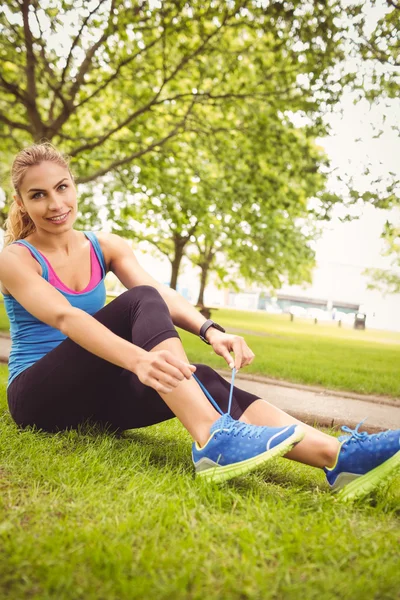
202	433
331	453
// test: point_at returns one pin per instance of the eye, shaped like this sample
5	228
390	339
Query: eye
63	185
35	196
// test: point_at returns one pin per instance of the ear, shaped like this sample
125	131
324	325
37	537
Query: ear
18	200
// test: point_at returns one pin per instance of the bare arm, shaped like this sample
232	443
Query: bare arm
126	267
128	270
159	370
47	304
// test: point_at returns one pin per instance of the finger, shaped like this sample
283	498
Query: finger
238	352
225	354
247	356
252	356
161	388
162	366
171	382
185	368
166	378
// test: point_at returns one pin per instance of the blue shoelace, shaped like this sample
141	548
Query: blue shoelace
355	434
235	427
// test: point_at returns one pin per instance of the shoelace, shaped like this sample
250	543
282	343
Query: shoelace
355	434
236	428
211	399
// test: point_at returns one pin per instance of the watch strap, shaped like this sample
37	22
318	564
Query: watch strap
204	328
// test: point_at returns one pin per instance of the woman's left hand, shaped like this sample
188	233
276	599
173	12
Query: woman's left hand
224	343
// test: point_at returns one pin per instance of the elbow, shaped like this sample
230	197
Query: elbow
63	320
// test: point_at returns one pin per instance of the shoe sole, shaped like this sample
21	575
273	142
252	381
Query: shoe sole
365	484
224	473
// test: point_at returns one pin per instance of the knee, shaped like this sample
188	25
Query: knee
205	373
143	292
144	297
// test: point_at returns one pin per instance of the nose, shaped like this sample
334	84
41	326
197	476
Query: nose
55	202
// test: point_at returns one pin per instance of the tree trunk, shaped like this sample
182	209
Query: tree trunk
203	282
179	243
176	263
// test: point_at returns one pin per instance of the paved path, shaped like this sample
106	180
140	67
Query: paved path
316	406
323	407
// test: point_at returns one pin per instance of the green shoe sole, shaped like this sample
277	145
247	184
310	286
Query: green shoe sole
223	473
366	483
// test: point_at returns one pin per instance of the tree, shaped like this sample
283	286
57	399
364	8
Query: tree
129	78
261	228
162	204
387	281
236	198
380	51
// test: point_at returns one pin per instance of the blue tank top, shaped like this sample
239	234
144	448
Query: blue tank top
32	339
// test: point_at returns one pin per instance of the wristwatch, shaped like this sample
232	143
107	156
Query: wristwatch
207	326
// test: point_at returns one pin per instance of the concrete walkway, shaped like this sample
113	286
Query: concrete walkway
313	405
318	406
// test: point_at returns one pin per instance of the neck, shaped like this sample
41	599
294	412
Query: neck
58	242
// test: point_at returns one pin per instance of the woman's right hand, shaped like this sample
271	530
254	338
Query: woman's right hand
162	371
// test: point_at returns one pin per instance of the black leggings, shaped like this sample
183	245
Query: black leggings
70	385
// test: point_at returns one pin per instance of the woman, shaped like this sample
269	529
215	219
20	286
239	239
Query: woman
123	364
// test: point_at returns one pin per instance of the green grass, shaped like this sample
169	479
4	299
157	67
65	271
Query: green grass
366	361
4	322
343	359
90	515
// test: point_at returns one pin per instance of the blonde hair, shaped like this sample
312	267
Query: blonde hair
19	224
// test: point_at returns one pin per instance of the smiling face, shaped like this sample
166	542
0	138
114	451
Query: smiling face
47	193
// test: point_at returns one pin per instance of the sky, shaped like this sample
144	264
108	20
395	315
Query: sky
345	249
359	241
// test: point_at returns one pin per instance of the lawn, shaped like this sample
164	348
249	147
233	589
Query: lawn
90	515
366	361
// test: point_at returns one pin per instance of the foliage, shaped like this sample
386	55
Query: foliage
379	48
126	77
380	80
237	202
113	81
388	281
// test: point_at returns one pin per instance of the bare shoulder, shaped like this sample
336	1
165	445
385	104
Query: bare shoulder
112	246
24	257
22	253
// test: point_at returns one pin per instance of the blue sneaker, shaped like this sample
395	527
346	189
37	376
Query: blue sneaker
235	448
364	461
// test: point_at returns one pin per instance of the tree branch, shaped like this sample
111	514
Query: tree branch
68	107
85	65
104	137
31	96
115	74
75	42
48	68
13	89
131	157
148	239
15	124
55	126
379	54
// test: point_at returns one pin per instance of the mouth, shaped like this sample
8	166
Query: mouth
59	218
